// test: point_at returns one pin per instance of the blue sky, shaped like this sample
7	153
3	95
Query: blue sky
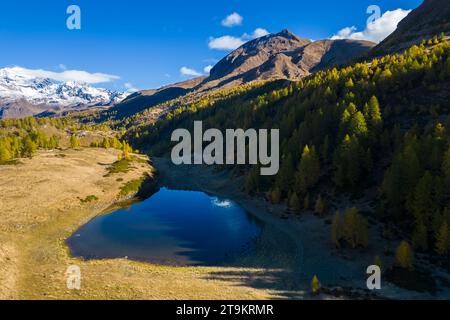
146	42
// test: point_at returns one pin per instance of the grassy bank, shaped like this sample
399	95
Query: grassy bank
45	199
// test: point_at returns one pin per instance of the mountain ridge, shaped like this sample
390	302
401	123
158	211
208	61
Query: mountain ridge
22	95
282	55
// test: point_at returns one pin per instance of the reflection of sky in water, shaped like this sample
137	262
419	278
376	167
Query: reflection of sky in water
171	227
222	203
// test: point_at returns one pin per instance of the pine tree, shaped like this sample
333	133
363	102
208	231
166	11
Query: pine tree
53	142
5	154
404	256
410	166
307	202
422	203
373	113
355	228
321	206
275	196
446	166
336	230
357	125
378	262
105	143
126	150
74	142
286	175
116	144
252	180
349	83
308	171
348	160
315	285
420	237
29	147
439	131
294	203
443	240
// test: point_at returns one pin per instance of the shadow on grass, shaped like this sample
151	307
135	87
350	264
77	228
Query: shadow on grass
280	283
415	280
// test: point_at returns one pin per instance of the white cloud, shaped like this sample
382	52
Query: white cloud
130	87
185	71
62	66
258	33
376	31
232	43
67	75
234	19
207	69
225	43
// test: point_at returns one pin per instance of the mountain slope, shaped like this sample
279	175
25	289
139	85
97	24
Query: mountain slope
276	56
430	19
284	56
22	95
371	137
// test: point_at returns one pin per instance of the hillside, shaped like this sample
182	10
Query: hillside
430	19
276	56
372	135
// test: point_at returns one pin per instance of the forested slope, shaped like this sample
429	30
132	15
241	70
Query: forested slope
378	130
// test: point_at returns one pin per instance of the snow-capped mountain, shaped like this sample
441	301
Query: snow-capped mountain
25	95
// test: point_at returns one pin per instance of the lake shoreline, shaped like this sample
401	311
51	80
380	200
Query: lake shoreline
343	273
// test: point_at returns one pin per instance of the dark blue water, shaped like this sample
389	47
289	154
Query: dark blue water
172	227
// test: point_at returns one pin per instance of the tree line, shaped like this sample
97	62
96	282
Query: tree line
378	125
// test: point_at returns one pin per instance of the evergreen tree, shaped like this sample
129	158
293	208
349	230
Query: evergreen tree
5	154
29	147
294	203
443	240
420	237
285	177
126	150
308	171
349	83
373	114
74	142
252	180
355	228
446	166
315	285
321	206
404	256
357	125
378	262
105	143
337	230
275	196
307	202
53	142
423	201
348	162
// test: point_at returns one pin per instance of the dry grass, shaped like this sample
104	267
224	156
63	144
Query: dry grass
40	207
